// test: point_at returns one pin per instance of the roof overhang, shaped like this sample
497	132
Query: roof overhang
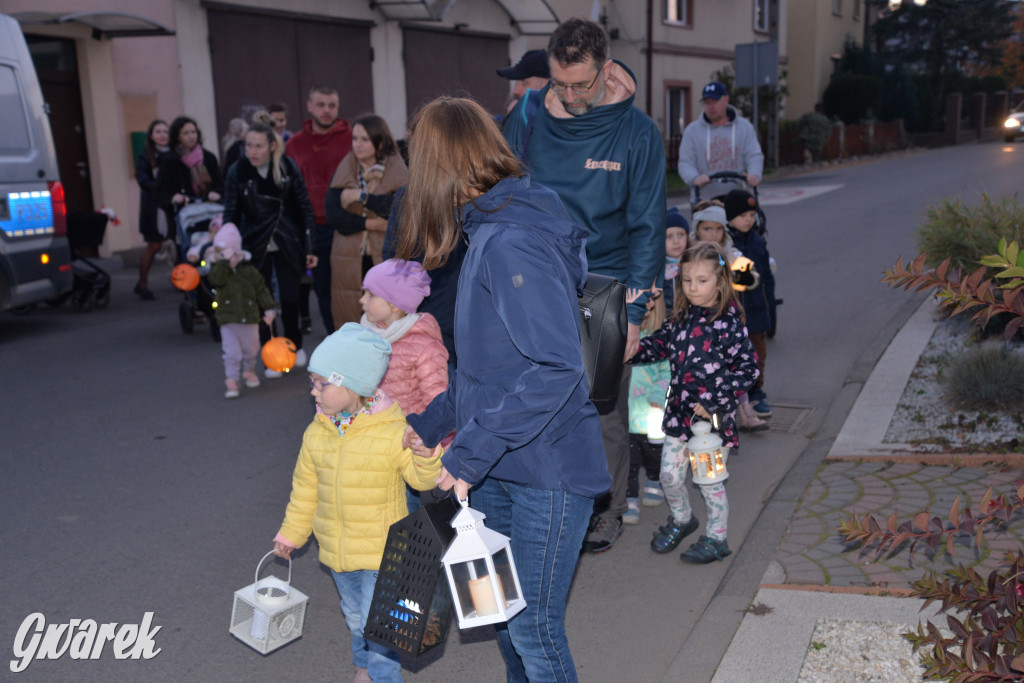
103	24
531	17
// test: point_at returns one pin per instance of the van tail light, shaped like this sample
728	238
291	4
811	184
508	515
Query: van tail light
60	209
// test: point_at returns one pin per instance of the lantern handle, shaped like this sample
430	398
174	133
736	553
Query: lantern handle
716	421
264	559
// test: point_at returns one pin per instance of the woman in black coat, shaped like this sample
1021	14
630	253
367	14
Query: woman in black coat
146	164
266	198
188	172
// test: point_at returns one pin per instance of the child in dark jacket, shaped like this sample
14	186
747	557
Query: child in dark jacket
241	293
758	301
711	363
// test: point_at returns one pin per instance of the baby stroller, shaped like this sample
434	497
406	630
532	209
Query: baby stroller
90	284
192	223
723	182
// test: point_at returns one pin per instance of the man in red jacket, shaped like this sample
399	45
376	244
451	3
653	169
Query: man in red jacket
317	149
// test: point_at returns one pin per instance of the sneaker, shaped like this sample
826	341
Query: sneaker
232	388
300	358
759	402
652	495
747	420
705	551
632	514
668	537
272	374
306	325
602	534
251	380
144	293
362	676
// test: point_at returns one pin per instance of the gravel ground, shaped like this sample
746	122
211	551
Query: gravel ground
926	420
864	651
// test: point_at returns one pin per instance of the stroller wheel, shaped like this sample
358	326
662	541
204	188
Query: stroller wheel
185	312
82	301
101	297
58	300
214	329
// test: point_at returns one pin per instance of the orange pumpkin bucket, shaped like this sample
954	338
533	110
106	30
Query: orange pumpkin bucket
278	354
185	277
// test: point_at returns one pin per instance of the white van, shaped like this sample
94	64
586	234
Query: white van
35	261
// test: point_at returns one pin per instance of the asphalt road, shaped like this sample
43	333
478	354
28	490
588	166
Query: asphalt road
129	485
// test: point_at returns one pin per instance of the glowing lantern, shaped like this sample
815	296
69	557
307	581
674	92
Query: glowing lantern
481	573
185	277
279	354
655	416
707	455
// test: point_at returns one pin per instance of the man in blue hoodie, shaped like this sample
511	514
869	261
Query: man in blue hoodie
582	137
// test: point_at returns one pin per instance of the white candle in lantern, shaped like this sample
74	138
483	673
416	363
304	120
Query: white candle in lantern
482	596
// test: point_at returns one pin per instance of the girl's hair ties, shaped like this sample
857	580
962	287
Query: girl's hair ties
721	261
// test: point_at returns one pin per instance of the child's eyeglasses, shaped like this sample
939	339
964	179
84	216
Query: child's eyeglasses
318	384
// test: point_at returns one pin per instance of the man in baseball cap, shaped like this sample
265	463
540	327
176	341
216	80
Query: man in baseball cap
719	140
529	73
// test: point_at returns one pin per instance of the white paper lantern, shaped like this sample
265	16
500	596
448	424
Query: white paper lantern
707	454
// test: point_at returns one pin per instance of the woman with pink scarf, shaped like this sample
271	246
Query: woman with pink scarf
188	172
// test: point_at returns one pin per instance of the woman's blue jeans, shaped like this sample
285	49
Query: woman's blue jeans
547	529
356	591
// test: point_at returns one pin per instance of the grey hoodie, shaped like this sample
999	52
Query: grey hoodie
706	148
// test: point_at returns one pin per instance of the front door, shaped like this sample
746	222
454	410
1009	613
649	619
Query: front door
57	68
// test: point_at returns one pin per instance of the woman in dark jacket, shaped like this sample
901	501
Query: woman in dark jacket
188	172
266	198
157	139
527	437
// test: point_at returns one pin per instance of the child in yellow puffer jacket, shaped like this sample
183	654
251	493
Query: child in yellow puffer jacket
348	487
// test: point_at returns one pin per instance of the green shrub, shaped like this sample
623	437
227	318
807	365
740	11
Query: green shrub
963	233
852	98
988	377
815	130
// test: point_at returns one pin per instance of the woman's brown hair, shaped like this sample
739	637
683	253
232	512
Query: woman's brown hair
456	154
711	252
380	135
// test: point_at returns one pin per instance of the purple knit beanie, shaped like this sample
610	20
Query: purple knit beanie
404	284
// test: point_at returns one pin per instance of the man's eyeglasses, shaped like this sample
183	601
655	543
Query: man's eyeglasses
580	90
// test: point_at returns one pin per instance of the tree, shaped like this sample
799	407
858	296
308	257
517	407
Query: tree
942	37
1011	65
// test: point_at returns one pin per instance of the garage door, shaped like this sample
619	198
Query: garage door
265	57
457	63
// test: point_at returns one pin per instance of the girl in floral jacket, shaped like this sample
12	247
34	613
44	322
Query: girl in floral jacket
712	363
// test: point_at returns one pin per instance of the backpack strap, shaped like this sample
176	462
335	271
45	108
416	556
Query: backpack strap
529	114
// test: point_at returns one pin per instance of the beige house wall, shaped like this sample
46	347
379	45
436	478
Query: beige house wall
818	33
126	82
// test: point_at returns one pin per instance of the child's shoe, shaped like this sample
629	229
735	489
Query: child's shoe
747	420
251	380
362	676
300	358
632	514
668	537
272	374
232	388
759	402
652	495
705	551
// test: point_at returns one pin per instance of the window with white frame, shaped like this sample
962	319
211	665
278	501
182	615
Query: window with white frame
678	11
761	16
837	7
856	9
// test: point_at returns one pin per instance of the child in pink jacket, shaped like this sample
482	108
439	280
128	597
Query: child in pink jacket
418	371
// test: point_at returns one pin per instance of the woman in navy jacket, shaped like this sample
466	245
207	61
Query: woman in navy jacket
528	440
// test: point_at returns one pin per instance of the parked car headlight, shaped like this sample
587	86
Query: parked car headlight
1011	123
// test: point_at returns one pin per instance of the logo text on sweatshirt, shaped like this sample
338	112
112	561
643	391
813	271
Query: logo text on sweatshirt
604	165
82	639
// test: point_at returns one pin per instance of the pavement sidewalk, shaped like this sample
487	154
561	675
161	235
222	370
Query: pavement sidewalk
812	576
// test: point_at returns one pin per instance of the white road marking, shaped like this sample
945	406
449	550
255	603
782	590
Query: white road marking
777	196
